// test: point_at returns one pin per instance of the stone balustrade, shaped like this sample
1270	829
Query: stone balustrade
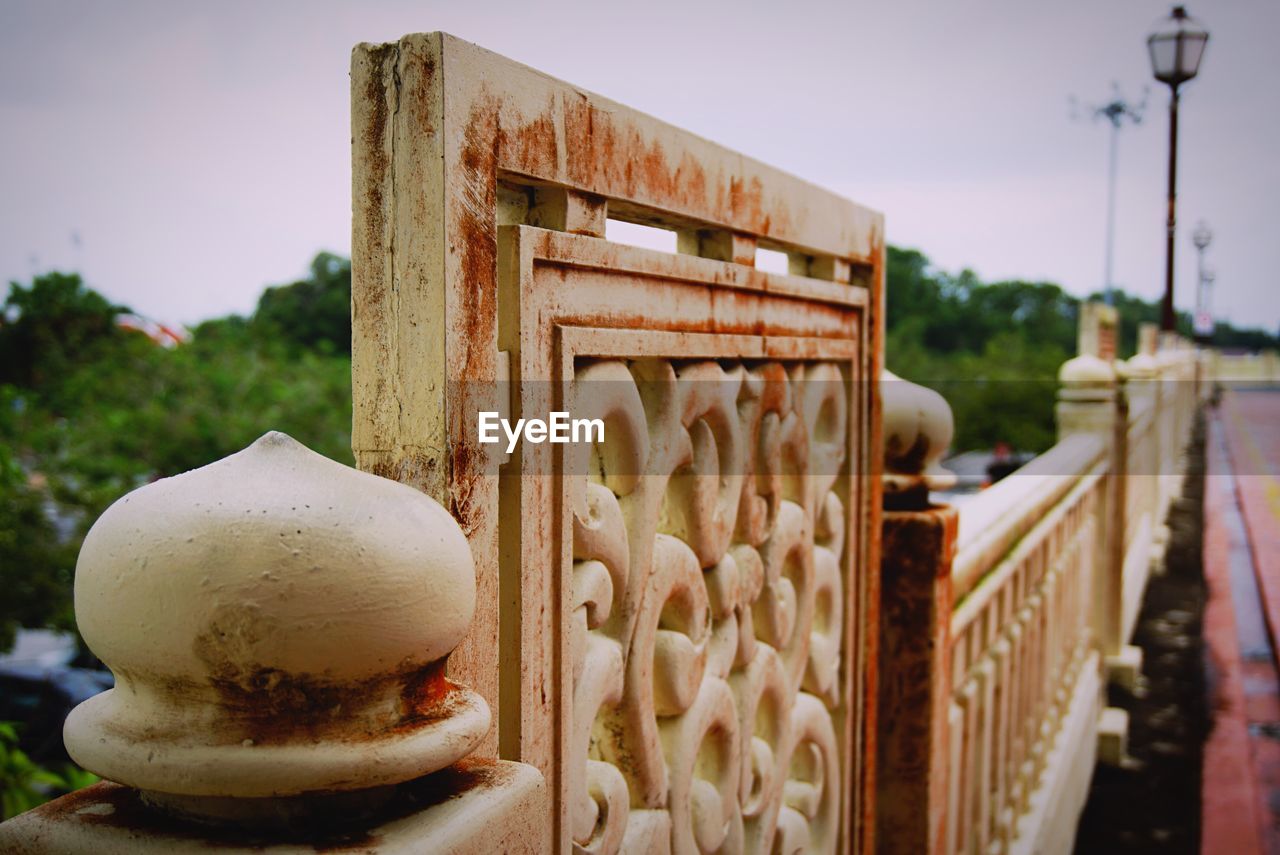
738	624
1000	623
1245	369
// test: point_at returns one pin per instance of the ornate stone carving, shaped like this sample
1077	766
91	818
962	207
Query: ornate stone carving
719	716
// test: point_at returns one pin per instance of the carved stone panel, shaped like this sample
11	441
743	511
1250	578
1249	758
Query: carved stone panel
675	624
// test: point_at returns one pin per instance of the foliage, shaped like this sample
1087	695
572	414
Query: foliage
81	426
994	350
24	784
314	313
51	326
950	314
35	567
1228	337
156	413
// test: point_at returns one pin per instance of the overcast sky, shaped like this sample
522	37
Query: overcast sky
202	151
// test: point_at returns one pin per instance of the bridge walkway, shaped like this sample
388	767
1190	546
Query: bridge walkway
1241	782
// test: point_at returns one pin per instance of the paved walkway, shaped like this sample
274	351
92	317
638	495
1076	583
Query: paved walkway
1241	784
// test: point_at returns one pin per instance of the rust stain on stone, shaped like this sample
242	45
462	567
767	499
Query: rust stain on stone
324	829
472	328
428	696
466	465
618	160
375	161
531	147
423	94
107	804
272	707
454	781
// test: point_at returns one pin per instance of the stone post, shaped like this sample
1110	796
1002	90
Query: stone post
917	548
1097	331
278	626
1089	402
1141	384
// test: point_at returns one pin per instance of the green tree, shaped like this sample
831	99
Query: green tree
313	313
51	327
35	566
24	784
105	410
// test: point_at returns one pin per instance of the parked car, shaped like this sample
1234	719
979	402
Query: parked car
39	698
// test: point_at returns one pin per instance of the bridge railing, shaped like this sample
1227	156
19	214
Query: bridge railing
1023	670
738	624
1001	623
1245	368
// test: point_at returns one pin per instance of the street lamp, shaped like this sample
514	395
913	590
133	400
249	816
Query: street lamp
1209	276
1203	323
1176	46
1202	236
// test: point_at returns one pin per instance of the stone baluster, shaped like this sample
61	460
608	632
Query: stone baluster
278	625
917	548
1141	385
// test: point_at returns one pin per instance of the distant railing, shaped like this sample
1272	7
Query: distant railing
1023	671
1246	368
1020	614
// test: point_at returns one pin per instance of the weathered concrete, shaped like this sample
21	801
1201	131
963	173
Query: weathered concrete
915	693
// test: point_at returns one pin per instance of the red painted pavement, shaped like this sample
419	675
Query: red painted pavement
1241	783
1252	422
1231	801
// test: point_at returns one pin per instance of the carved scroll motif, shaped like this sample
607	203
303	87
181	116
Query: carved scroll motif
708	607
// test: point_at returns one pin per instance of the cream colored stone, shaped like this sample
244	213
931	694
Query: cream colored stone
918	427
1113	736
1097	330
1148	334
277	624
1140	366
1086	370
1125	667
1049	576
487	807
1022	658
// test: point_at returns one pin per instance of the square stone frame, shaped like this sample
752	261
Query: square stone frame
457	154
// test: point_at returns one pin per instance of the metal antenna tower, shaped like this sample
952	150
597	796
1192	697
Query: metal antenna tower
1116	111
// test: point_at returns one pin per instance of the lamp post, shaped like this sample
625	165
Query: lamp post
1176	46
1203	325
1209	277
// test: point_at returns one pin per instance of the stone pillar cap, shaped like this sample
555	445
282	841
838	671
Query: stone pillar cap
1087	370
1139	366
277	623
918	427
